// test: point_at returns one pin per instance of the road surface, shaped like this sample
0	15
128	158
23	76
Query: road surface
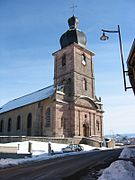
63	168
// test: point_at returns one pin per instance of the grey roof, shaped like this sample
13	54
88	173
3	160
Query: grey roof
28	99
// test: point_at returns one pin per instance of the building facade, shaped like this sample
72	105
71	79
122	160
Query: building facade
69	107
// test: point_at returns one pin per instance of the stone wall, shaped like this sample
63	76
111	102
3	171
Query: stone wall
37	111
75	140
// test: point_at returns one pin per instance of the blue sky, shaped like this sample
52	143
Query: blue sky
30	32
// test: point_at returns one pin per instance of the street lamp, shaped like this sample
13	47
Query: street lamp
104	37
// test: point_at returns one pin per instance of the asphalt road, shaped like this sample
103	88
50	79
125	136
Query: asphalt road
65	168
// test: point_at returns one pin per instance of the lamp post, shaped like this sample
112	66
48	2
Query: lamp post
104	38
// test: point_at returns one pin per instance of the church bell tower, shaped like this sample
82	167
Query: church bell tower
73	63
78	111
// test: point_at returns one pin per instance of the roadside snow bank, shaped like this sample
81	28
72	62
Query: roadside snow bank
121	169
127	153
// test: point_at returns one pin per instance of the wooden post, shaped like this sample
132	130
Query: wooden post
30	147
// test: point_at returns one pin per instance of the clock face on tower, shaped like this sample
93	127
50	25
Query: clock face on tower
84	60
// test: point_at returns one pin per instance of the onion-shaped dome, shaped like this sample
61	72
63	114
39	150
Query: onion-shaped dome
73	34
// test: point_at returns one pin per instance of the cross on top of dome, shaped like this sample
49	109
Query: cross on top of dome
73	7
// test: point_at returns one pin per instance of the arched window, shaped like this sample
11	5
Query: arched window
64	60
98	125
9	124
85	84
29	121
1	126
48	117
18	124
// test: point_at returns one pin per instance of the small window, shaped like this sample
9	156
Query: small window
48	117
18	124
85	116
9	124
85	84
1	126
64	60
69	80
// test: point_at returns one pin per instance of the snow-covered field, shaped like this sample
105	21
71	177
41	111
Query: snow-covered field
121	170
39	152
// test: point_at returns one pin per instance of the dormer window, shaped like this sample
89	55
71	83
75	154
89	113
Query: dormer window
64	60
84	62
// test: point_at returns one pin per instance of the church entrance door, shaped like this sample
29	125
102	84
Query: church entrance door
85	130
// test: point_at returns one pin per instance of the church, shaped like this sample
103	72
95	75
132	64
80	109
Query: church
68	108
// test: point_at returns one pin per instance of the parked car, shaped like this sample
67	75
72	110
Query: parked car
73	148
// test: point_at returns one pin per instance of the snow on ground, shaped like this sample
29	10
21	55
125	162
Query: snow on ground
120	170
128	153
39	152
